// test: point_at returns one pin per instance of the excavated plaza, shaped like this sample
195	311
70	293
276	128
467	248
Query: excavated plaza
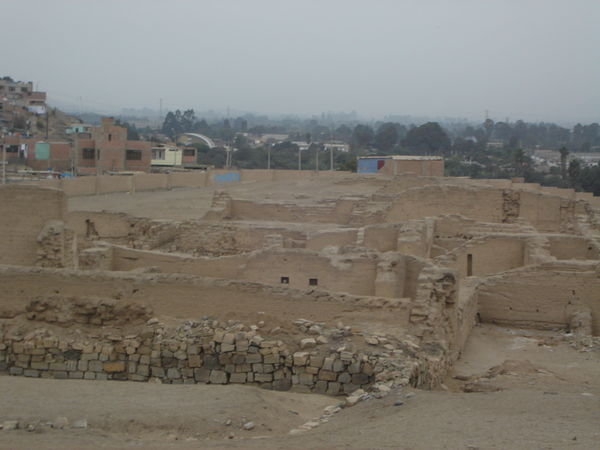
328	283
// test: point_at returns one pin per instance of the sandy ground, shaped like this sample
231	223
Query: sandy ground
550	399
190	204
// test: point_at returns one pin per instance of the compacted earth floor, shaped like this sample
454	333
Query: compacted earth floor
528	390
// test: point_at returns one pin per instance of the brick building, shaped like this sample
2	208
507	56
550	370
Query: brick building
106	149
38	155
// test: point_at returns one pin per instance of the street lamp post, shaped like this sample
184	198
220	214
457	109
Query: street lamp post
330	157
3	159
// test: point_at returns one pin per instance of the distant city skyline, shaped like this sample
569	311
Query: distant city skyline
532	60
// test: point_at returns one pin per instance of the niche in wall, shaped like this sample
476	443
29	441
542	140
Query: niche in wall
469	265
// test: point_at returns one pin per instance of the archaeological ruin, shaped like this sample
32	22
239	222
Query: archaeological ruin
324	282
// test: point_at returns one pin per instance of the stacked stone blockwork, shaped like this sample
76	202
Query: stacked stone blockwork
197	352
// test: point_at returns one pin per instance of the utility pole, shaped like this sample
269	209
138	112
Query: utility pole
228	157
331	157
3	159
269	157
47	113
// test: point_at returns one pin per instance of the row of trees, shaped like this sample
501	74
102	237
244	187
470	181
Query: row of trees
394	137
546	135
465	148
178	122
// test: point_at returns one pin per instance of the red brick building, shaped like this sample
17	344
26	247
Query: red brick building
38	155
106	149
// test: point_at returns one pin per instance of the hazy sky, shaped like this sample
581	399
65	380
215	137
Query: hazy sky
529	59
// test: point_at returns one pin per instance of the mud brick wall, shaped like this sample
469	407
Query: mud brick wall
25	212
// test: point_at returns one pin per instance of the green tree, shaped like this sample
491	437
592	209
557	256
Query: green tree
171	126
519	160
178	122
344	133
132	131
488	126
362	136
429	138
386	137
574	172
564	153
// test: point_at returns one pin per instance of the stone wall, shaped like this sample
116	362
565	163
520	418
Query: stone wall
205	351
57	246
442	316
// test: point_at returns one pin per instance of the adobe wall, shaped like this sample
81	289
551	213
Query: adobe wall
546	213
78	186
257	175
489	255
427	168
107	184
25	212
480	204
339	274
182	295
382	238
398	276
188	179
442	315
293	268
339	212
546	296
190	237
342	274
126	259
411	238
99	225
149	182
572	247
338	238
